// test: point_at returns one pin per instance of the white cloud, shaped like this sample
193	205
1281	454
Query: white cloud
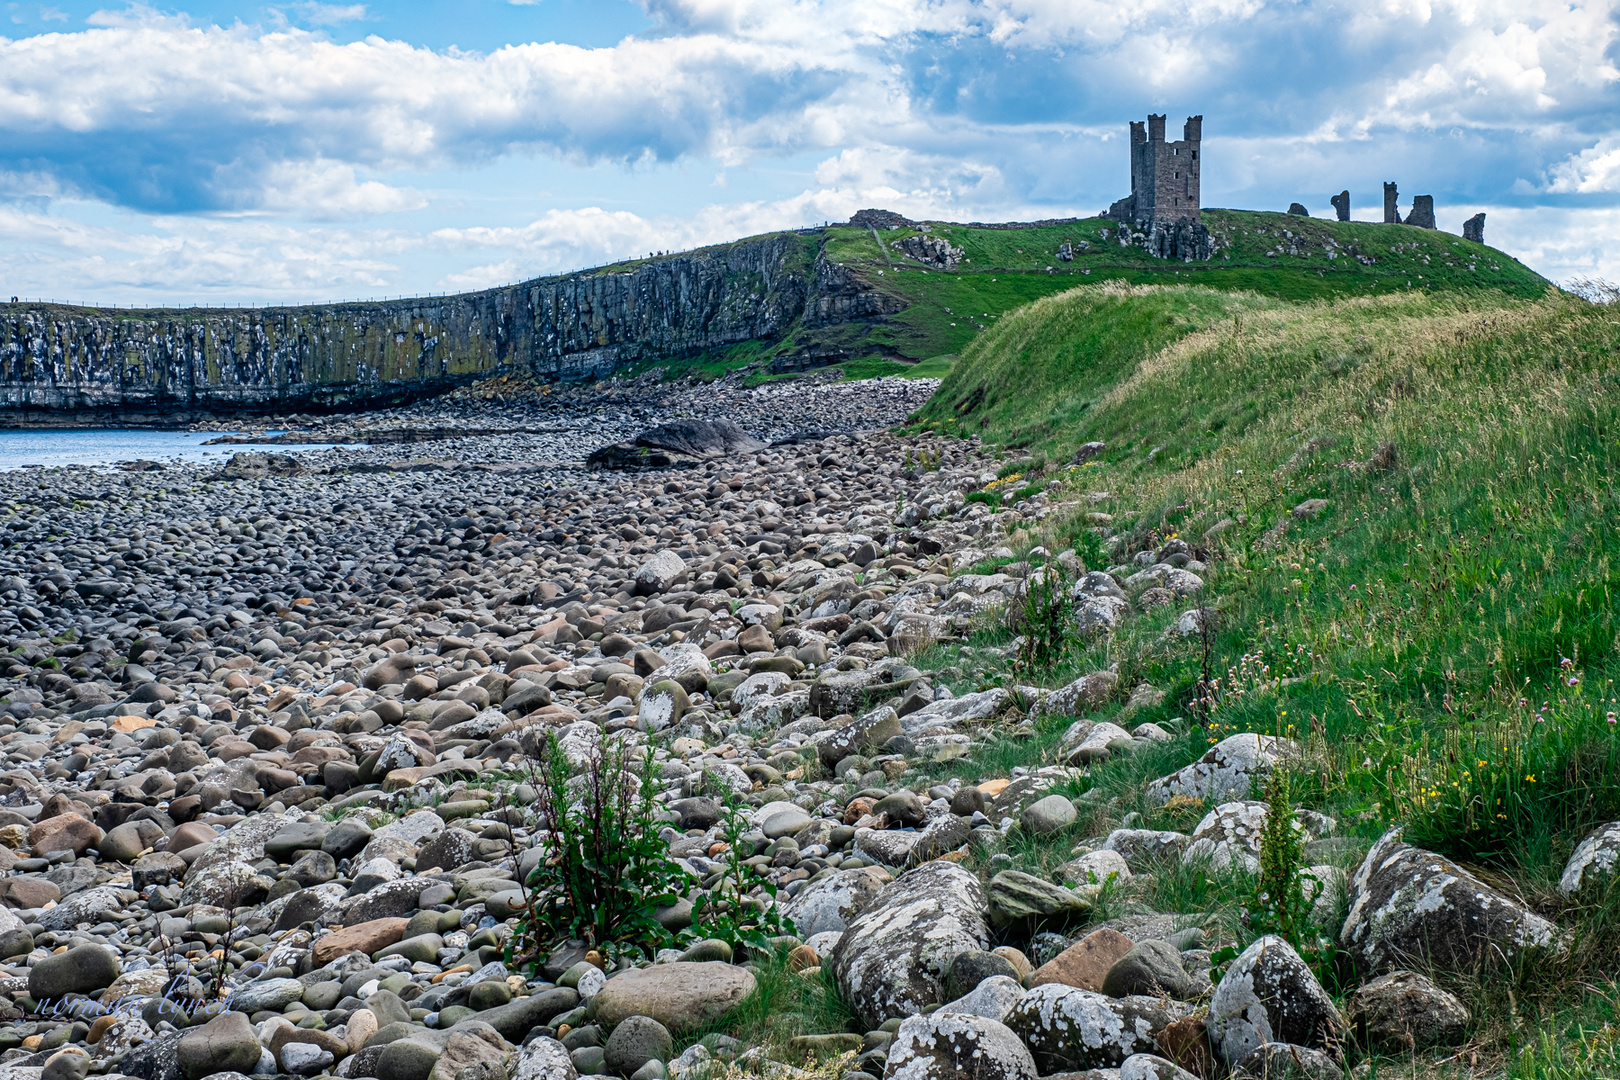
1595	169
327	191
938	108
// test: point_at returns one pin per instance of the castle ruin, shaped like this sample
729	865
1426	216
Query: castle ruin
1164	201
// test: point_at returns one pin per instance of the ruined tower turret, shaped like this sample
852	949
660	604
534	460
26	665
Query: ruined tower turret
1165	198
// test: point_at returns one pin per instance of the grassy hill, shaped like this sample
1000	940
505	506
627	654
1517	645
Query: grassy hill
1407	505
1280	256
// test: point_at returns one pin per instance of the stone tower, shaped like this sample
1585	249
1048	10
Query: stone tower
1164	175
1392	215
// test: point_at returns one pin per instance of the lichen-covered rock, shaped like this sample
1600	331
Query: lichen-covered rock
1229	835
888	847
1407	904
1268	995
893	958
1225	772
1086	746
832	903
544	1059
1592	865
1096	615
1142	848
940	837
871	730
957	1046
1287	1061
1019	898
1405	1011
1152	1067
1068	1028
222	873
1082	695
993	997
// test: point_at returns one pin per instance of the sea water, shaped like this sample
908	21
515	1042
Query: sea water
50	448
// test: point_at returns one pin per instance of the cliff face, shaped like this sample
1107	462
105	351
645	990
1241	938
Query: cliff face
59	363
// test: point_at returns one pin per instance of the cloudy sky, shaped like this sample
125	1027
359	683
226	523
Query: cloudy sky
224	152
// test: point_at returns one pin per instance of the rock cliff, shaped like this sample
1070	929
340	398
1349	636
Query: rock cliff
72	364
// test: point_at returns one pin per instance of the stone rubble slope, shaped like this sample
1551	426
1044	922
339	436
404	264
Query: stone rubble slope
263	811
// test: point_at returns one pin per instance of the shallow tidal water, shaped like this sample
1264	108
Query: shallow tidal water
53	448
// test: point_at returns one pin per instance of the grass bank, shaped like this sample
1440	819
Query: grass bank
1407	507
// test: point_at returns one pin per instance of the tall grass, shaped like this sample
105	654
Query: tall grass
1436	624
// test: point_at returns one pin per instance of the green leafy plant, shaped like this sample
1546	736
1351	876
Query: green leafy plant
605	871
730	913
1279	905
1040	615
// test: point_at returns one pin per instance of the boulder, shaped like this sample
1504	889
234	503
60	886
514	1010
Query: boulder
833	902
634	1042
64	832
993	998
544	1059
1407	904
681	995
1100	867
155	1060
1048	815
1152	1067
971	968
679	443
1086	963
1068	1028
1404	1011
868	732
957	1046
1017	898
515	1020
1143	848
940	837
83	969
659	573
274	994
412	1057
224	1044
1270	995
471	1045
1082	695
366	937
1280	1060
1591	867
892	960
1151	967
1226	771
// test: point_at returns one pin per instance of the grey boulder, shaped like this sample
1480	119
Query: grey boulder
1405	1011
224	1044
1068	1028
83	969
892	960
1408	905
956	1046
1270	994
634	1042
833	902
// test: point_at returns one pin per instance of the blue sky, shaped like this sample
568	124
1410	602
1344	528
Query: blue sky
246	153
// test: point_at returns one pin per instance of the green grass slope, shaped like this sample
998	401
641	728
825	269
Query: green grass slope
1440	630
1280	256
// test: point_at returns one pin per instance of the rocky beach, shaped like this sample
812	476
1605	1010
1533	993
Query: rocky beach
275	739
